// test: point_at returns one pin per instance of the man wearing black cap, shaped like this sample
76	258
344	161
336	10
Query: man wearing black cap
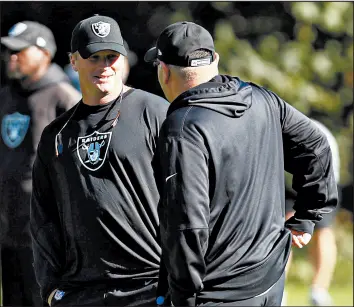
37	91
94	215
223	149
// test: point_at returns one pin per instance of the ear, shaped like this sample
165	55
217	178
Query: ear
216	58
73	58
126	71
166	76
47	53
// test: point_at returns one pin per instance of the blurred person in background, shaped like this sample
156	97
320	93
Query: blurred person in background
94	220
223	149
36	93
322	250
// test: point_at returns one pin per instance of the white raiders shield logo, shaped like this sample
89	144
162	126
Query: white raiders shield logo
92	149
14	128
101	28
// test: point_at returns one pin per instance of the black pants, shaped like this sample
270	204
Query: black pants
103	296
272	298
19	284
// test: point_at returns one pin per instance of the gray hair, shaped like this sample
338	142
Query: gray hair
191	73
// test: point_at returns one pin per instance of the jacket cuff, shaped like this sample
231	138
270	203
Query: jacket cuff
302	225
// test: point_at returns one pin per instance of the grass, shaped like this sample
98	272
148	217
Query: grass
301	272
298	295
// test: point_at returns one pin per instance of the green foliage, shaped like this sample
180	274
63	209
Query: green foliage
298	70
293	68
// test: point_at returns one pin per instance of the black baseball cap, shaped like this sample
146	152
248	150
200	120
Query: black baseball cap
177	41
95	34
29	33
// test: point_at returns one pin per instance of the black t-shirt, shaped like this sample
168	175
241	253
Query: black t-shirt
103	188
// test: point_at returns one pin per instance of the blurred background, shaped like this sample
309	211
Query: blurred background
303	51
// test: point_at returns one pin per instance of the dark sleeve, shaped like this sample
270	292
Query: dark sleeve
157	118
47	241
308	157
184	216
162	287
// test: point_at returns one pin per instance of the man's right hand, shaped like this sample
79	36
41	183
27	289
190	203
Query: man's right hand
299	238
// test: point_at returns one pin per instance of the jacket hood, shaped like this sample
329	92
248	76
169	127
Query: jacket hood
54	74
224	94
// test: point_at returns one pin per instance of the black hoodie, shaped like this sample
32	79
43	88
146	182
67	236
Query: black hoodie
223	150
24	113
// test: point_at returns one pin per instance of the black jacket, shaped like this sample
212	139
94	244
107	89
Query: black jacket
94	207
24	113
223	150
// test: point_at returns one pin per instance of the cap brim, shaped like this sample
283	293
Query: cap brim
151	55
93	48
13	43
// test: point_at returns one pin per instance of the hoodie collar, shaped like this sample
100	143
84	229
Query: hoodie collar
224	94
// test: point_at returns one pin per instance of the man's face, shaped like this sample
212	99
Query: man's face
23	63
102	71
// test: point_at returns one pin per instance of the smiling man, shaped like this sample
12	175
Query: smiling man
94	220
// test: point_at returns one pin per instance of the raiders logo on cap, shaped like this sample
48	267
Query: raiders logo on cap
101	28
